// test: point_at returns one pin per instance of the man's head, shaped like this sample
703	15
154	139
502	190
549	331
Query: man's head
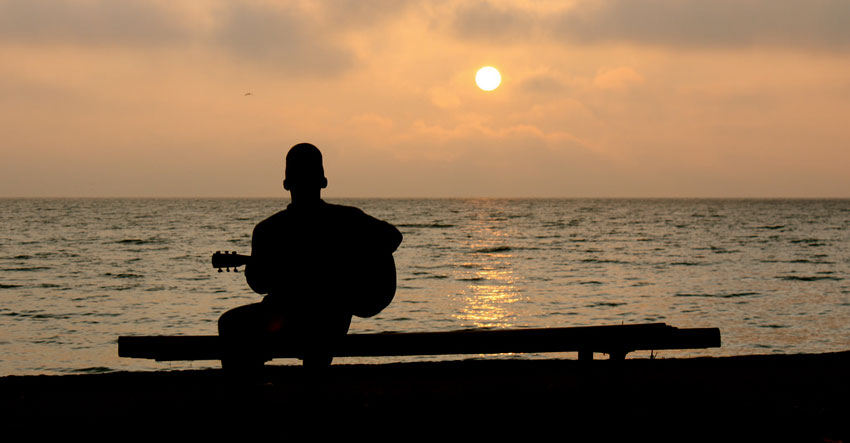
304	169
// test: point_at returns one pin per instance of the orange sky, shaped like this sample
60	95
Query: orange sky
602	98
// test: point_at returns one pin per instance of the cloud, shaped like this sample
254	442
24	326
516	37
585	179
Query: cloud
472	159
717	23
814	24
370	124
617	78
360	14
284	38
541	84
484	21
444	97
95	22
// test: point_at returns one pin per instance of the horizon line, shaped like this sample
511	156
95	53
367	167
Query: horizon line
459	197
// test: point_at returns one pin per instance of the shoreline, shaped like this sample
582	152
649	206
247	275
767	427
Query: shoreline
805	393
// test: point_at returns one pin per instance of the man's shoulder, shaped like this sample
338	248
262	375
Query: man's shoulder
343	210
330	209
272	220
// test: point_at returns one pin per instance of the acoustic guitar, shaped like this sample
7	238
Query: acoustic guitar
372	279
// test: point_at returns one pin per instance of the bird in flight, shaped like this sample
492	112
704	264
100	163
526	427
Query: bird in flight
249	93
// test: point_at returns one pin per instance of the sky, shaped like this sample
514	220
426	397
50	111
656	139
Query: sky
599	98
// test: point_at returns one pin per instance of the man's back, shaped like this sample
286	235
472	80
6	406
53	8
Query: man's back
322	255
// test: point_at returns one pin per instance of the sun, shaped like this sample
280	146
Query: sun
488	78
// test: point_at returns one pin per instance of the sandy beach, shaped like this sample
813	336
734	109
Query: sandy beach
802	396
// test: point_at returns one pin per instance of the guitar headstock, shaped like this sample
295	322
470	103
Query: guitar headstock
229	260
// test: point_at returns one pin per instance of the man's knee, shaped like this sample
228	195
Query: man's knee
226	321
237	320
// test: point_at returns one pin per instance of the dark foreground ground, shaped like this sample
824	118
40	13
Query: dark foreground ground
772	397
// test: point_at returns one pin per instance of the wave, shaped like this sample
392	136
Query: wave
557	314
800	261
425	225
601	260
139	241
92	370
27	269
493	249
814	262
810	242
731	295
131	241
723	250
43	316
717	250
118	288
808	278
606	304
126	275
806	240
426	275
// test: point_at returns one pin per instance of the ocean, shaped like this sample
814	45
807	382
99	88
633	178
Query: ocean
771	274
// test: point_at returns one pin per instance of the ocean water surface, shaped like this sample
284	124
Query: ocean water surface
773	275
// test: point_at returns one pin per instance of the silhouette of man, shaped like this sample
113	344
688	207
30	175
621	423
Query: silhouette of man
318	263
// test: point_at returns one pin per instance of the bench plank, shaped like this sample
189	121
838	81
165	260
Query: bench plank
616	341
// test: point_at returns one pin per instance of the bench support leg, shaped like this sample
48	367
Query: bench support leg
617	356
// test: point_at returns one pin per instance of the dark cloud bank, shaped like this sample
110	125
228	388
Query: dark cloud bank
811	24
280	37
287	37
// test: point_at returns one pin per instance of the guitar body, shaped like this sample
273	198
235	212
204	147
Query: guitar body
373	285
367	283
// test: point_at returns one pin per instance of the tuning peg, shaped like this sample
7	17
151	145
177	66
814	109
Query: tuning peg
218	252
228	269
219	270
235	269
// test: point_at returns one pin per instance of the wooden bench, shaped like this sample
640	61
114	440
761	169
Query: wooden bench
616	341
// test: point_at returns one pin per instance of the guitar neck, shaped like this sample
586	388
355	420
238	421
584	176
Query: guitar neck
229	260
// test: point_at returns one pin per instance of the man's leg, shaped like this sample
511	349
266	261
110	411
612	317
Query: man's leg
241	331
323	338
247	330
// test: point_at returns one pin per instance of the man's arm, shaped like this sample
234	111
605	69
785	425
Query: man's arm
393	236
385	236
